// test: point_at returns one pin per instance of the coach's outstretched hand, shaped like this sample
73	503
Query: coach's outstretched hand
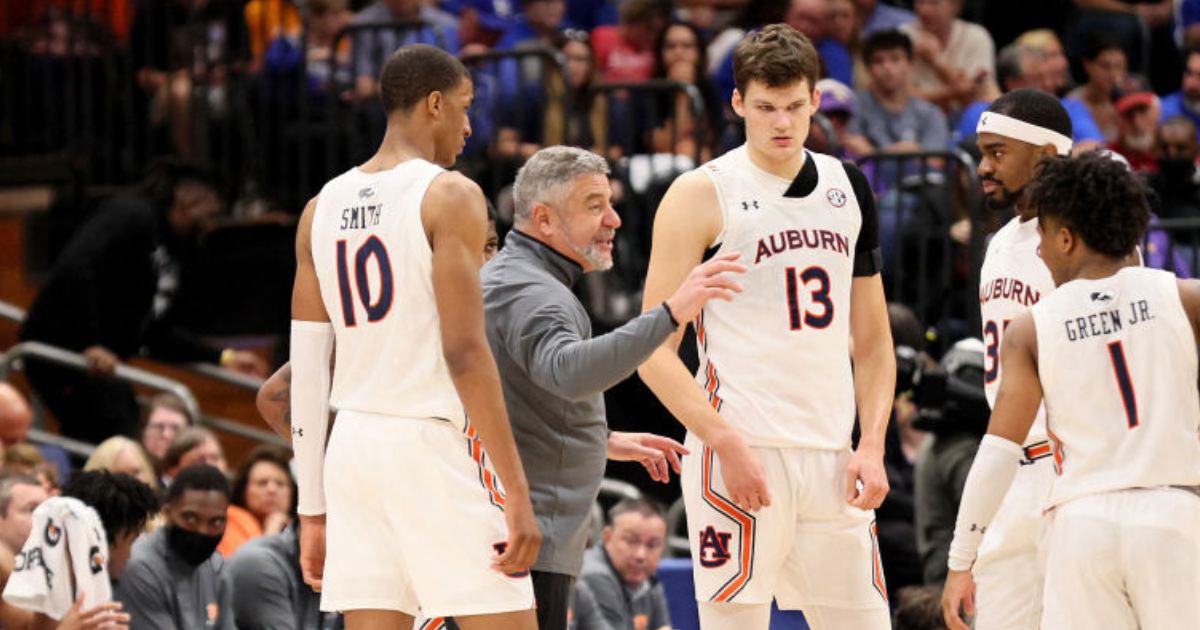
524	538
658	454
705	282
312	550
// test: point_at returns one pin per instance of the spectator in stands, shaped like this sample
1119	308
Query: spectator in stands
1024	66
122	456
625	52
842	24
587	125
173	577
372	47
125	507
268	588
26	458
165	417
193	445
538	25
523	82
750	15
889	118
1055	69
110	295
954	58
268	20
837	106
919	608
680	56
1177	181
20	494
879	15
1186	101
311	59
1137	122
584	613
621	572
263	497
1106	66
16	418
179	47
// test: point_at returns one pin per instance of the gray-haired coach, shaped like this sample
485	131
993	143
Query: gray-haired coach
553	372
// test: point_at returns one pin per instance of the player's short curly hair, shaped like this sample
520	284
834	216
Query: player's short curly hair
415	71
1095	197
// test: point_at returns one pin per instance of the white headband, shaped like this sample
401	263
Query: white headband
991	122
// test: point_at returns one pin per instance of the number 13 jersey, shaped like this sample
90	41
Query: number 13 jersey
1118	367
775	362
375	269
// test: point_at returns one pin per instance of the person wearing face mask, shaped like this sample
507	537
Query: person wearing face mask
172	581
1177	182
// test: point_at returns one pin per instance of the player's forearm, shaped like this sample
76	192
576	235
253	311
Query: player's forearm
991	475
874	389
477	381
666	375
311	347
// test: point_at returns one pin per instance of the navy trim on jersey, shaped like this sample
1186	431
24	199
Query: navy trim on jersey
868	258
806	180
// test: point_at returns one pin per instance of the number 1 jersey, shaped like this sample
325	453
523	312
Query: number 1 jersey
375	268
775	362
1118	367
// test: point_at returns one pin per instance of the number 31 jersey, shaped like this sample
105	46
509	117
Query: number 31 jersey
375	268
775	361
1118	367
1012	279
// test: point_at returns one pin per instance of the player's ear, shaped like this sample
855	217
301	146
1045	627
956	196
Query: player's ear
434	103
815	105
738	104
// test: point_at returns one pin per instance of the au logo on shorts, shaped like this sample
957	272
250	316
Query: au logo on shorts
714	548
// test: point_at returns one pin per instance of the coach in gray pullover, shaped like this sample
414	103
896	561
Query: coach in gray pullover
553	373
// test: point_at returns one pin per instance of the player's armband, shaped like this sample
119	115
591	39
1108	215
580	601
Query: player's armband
868	263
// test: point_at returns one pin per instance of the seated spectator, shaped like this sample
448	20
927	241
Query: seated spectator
1177	181
538	25
110	295
122	456
312	59
954	58
1056	69
837	106
20	494
373	47
1022	66
15	420
268	588
919	608
1186	102
878	15
621	571
889	117
172	65
842	25
264	491
1137	122
164	418
268	20
125	506
525	81
193	445
1106	66
26	458
583	613
625	52
587	125
173	577
680	56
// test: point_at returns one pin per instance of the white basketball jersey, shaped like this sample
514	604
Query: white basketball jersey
1117	363
775	362
1012	279
375	268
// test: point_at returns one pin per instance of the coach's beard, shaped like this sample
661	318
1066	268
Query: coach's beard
595	258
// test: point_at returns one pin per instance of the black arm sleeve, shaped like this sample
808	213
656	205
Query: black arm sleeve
868	258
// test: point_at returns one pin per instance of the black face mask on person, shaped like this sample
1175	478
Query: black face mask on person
1177	171
191	547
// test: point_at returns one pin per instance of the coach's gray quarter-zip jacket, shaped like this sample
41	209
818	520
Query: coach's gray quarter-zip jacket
554	376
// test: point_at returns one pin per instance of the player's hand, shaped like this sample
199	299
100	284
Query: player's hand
524	538
866	466
312	550
244	362
106	616
742	473
705	282
958	596
655	452
101	360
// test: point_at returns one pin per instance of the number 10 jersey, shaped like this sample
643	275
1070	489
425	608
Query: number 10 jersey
375	269
775	362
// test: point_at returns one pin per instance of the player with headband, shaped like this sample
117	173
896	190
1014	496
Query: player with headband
997	573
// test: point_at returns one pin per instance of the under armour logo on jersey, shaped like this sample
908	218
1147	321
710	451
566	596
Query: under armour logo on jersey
836	197
976	527
1103	298
746	205
366	193
714	548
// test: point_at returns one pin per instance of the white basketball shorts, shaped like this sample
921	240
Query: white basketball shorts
414	519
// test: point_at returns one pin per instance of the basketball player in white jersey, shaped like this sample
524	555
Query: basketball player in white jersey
428	512
1112	351
1014	134
779	506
